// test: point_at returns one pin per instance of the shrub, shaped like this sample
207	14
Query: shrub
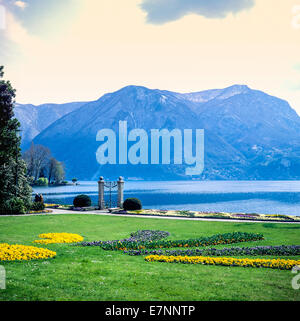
38	198
82	201
42	181
131	204
15	206
37	206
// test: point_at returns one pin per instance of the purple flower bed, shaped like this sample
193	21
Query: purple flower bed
139	236
246	215
283	250
140	240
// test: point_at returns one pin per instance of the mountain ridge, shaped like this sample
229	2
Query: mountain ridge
247	132
36	118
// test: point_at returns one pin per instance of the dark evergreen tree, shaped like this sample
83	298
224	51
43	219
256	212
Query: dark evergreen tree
14	187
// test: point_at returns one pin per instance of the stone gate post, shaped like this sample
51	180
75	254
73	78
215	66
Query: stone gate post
101	203
120	192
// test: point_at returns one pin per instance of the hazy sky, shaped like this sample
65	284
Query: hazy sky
77	50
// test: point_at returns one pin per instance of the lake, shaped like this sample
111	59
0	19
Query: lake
266	197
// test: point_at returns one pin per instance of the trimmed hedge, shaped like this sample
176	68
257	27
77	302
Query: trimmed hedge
82	201
131	204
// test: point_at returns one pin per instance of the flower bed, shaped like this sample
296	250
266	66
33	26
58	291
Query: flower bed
40	212
23	252
247	216
52	205
214	215
282	250
227	238
226	261
50	238
59	206
149	235
139	236
71	207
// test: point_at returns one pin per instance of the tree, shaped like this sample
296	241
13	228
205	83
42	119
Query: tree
41	163
59	172
37	158
13	179
51	169
42	181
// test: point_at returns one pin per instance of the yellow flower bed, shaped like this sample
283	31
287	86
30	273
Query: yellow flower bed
23	252
42	211
227	261
50	238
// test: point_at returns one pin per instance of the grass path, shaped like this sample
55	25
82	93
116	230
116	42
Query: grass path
90	273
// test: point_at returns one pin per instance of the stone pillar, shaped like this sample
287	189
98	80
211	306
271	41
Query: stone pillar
120	192
101	203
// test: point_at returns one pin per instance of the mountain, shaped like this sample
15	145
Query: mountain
248	133
218	94
35	119
264	129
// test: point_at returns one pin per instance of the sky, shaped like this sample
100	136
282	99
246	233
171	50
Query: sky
77	50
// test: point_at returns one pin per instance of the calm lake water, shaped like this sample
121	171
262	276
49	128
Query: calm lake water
268	197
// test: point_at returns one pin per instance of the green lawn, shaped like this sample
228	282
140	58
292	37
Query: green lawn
90	273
